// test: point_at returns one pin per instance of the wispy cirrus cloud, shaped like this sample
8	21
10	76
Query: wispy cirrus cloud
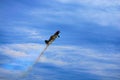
106	3
103	13
21	34
79	58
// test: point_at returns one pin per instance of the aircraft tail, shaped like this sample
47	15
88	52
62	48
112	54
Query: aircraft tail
46	41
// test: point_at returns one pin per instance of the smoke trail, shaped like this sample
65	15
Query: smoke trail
40	55
30	68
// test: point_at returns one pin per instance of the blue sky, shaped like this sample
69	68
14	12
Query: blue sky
88	49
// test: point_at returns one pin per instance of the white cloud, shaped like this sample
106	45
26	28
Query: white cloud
30	33
103	13
101	17
104	3
9	74
56	52
90	60
27	52
13	53
52	61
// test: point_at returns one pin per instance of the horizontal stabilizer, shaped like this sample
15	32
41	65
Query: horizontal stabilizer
46	41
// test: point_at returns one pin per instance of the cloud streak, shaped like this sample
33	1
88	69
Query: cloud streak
103	13
79	58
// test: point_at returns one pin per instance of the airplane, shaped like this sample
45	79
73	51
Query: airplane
52	38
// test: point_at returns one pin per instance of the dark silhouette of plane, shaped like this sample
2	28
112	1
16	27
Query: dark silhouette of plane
52	38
